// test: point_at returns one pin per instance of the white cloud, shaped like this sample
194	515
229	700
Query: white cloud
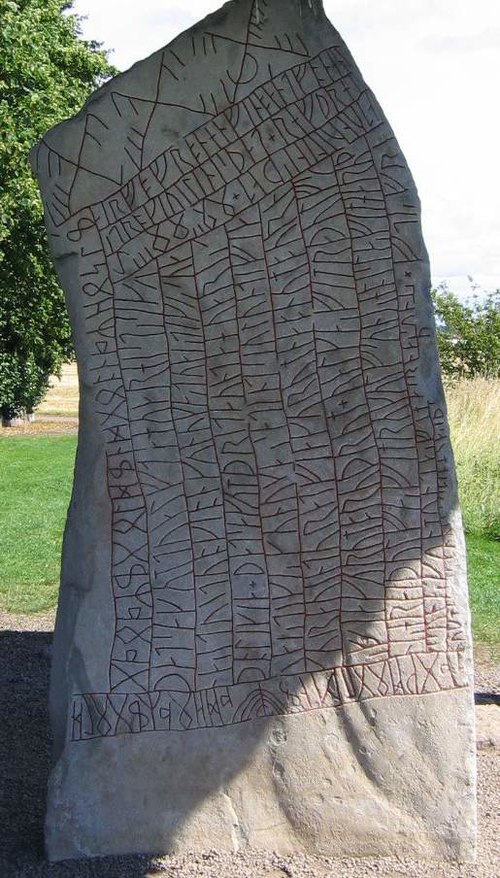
136	29
433	67
483	41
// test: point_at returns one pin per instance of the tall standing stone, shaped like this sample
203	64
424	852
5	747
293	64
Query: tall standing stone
263	632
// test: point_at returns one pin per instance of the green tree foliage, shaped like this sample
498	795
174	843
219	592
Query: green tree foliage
46	73
468	334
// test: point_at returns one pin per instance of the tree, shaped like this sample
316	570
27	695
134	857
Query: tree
468	334
46	73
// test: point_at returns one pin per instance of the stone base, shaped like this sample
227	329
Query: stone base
374	779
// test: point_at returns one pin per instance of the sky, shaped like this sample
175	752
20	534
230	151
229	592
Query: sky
434	65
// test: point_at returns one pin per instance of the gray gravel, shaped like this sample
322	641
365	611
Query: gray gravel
25	643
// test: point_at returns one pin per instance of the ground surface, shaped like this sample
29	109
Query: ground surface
25	643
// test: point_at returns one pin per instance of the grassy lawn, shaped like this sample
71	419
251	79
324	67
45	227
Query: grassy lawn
483	558
36	476
36	482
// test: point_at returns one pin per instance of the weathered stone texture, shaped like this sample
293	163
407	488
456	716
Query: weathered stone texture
263	629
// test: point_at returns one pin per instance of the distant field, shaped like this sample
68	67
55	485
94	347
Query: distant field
62	398
474	414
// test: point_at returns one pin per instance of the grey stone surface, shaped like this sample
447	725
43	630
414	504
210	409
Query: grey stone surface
263	631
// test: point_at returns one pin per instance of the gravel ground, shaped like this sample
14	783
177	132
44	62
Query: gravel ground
44	425
25	643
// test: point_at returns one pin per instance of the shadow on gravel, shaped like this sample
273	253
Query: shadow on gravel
25	764
487	698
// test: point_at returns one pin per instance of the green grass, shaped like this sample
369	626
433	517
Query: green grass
36	476
36	485
483	557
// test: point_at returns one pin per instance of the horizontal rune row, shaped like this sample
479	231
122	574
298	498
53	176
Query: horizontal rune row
107	715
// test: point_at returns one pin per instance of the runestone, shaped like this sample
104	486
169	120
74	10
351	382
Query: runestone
263	633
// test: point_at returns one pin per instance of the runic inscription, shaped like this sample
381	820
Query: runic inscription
276	475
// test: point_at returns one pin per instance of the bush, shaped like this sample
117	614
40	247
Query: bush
468	334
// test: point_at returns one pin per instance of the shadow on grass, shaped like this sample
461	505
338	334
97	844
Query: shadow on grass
25	763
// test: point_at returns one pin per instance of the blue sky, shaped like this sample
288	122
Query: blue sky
435	68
